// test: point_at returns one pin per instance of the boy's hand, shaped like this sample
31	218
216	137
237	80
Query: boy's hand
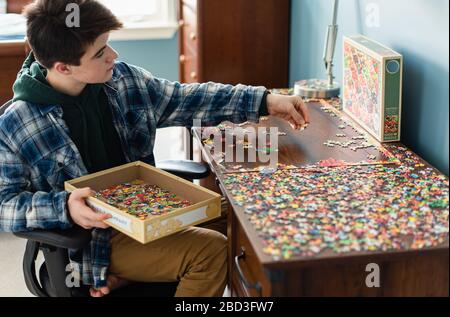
112	283
81	214
289	108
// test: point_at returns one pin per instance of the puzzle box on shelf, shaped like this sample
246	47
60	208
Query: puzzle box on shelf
372	87
206	205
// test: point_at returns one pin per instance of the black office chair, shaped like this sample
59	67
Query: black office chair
55	244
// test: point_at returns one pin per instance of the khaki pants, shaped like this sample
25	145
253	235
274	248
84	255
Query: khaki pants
196	257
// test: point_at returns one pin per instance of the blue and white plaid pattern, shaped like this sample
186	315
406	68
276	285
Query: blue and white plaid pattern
37	155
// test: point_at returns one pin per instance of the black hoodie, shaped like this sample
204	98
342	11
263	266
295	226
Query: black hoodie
88	116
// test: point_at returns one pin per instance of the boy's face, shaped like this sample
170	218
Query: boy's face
97	63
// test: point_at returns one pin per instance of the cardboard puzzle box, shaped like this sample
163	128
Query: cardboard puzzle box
372	87
204	205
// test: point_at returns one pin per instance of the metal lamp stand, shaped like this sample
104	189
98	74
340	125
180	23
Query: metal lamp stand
317	88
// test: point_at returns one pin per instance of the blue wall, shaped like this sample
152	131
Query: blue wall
418	29
160	57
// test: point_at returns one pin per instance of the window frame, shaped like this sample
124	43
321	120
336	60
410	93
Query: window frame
165	28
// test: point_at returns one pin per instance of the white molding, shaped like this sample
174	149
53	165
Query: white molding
145	32
162	25
3	5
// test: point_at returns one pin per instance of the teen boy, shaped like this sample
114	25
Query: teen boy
76	111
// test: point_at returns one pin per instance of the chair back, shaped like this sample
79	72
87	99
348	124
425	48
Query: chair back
5	106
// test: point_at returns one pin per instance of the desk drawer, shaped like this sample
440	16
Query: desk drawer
189	66
189	29
189	70
248	278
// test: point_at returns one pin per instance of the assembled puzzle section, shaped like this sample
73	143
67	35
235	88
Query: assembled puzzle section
372	87
146	203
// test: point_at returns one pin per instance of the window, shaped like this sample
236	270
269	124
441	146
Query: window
144	19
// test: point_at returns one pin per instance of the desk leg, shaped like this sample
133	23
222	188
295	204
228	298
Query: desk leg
210	183
231	248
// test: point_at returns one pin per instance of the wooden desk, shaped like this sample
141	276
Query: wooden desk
404	272
12	56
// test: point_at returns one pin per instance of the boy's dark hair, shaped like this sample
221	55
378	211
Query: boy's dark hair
53	41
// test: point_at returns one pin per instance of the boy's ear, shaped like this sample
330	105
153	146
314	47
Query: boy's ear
62	68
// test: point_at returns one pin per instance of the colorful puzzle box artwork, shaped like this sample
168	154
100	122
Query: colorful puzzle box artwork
372	87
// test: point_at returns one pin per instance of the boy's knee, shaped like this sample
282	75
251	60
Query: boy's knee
219	240
217	244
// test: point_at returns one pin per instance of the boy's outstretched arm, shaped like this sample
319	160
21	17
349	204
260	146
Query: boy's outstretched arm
177	104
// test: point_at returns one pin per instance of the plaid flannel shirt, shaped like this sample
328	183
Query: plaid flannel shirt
37	154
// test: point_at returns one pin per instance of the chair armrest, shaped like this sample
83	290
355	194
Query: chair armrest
72	238
185	169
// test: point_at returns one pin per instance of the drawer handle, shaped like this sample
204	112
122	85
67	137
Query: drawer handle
182	58
194	75
256	286
193	36
181	23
